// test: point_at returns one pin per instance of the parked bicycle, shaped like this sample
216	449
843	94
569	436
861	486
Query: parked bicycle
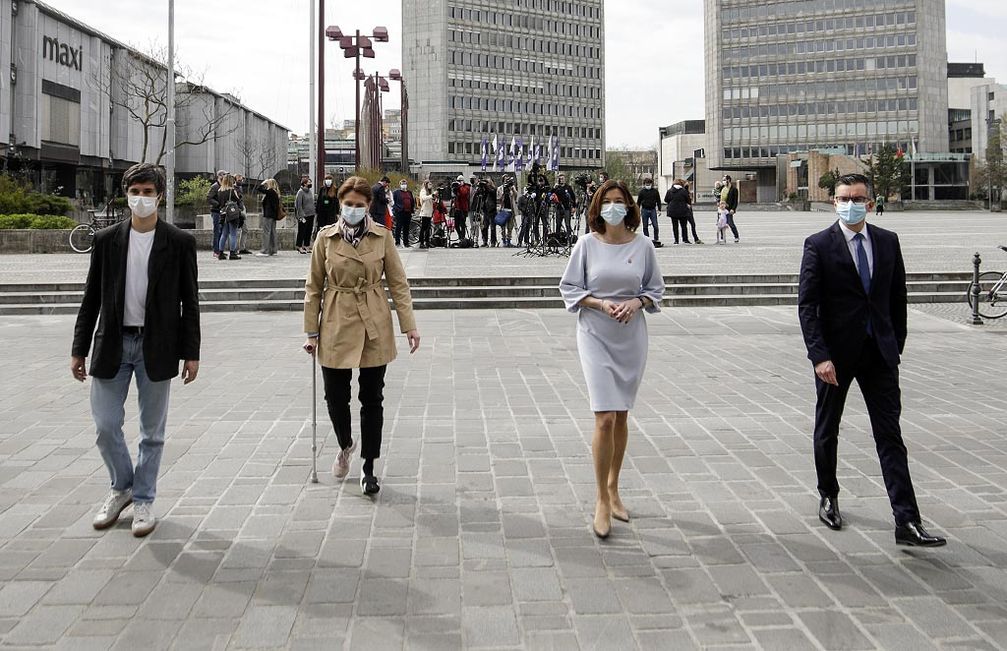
82	236
992	293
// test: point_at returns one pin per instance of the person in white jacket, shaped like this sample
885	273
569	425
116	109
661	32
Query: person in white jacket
426	213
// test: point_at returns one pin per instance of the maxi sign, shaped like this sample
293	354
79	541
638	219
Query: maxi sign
62	53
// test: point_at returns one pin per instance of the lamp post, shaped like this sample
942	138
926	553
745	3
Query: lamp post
396	75
353	47
696	154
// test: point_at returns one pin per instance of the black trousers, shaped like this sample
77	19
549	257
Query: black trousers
372	411
304	231
460	217
880	387
680	224
402	221
425	231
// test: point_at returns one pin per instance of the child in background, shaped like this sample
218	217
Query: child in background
722	214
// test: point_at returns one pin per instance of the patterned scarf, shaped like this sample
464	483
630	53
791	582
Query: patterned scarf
353	234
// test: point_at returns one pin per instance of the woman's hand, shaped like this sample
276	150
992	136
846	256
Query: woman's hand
625	311
310	345
414	340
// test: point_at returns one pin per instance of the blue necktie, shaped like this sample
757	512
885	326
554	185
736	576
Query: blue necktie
864	267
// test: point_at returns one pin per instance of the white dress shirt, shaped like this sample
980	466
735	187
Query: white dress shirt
851	243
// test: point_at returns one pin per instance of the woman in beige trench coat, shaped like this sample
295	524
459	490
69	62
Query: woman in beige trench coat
349	323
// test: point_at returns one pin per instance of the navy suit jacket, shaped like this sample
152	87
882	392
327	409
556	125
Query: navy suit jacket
834	308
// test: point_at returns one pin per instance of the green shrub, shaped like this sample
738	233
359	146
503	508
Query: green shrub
36	222
192	192
17	198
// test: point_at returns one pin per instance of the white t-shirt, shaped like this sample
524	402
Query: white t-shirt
136	277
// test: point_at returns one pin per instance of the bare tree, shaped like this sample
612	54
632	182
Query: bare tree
138	85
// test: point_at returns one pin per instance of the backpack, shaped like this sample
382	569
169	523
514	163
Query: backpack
232	209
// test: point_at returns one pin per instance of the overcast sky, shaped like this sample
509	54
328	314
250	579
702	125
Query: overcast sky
654	65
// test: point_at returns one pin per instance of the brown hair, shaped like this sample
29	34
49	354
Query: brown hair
594	218
680	182
356	184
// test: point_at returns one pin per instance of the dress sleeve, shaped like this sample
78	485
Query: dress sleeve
652	286
573	285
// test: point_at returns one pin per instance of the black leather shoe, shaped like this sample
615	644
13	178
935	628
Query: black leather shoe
828	512
914	535
369	485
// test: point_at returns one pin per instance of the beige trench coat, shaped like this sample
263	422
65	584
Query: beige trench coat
345	302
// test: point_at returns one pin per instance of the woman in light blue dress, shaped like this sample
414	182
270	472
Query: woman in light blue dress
612	275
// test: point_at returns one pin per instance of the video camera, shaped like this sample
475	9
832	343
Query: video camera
582	180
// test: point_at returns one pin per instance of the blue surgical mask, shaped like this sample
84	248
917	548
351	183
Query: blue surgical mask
613	213
353	215
851	213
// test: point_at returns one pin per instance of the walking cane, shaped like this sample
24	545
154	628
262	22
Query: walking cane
314	415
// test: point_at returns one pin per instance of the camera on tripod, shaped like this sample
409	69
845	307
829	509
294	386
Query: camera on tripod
582	180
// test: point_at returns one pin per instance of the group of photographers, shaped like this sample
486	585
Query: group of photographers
481	214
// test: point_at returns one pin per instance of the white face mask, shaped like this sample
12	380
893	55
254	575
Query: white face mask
328	183
142	206
403	187
353	215
613	213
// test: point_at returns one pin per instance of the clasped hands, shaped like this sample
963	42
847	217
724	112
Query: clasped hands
622	312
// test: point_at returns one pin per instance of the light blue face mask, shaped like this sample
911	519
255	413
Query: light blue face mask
851	213
353	215
613	213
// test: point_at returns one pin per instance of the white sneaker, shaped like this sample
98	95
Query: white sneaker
341	466
114	504
143	519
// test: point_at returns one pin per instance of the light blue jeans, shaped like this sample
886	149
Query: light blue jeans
108	400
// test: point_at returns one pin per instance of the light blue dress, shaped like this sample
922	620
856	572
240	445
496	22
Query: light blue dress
612	354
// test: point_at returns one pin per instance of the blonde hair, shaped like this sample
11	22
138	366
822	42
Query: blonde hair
271	184
227	182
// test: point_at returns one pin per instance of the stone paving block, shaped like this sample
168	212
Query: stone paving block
205	633
489	627
382	597
486	588
783	638
18	597
45	625
265	627
377	634
227	600
604	633
435	597
834	630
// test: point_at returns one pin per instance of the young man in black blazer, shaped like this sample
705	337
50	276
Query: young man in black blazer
142	294
852	305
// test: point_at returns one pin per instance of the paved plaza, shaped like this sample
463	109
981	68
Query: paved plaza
771	242
480	536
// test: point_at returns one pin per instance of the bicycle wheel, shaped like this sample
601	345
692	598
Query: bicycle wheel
992	305
414	230
82	238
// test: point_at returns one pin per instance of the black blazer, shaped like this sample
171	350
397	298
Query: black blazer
171	322
834	307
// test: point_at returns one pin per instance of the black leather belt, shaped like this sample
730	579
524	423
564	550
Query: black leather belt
132	330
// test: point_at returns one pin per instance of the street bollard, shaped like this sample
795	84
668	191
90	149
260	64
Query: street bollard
976	262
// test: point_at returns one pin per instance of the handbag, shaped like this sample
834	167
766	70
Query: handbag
502	217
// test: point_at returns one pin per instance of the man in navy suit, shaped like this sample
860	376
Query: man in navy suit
852	305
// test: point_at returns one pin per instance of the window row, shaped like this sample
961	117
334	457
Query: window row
819	89
801	132
559	90
791	48
525	21
829	25
523	129
759	9
522	43
520	64
525	107
855	149
871	106
827	65
575	153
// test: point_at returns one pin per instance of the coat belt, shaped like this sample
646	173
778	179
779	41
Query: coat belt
360	293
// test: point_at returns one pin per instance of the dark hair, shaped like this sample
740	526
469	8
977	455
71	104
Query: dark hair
594	218
855	179
356	184
144	173
385	179
727	177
